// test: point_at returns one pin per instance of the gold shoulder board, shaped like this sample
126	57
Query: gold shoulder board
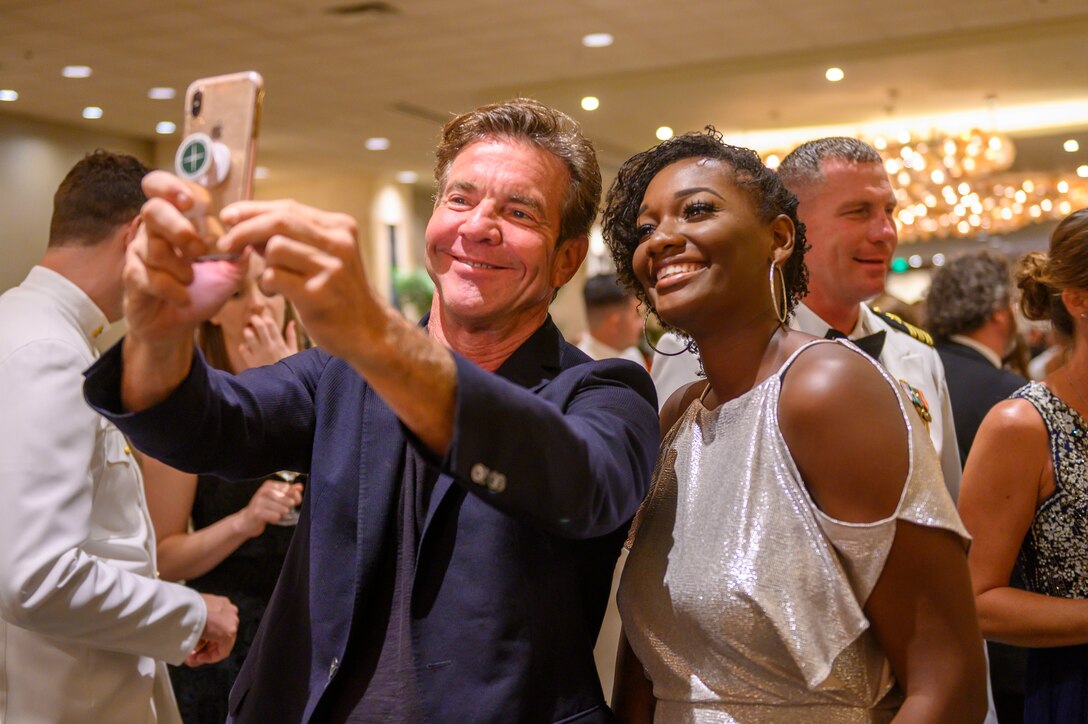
898	324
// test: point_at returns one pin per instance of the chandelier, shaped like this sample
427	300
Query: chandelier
988	205
945	157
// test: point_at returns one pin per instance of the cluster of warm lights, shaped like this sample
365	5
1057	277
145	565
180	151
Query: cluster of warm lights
953	186
995	204
945	158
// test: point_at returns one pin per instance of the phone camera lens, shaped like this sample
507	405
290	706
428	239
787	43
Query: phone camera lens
198	103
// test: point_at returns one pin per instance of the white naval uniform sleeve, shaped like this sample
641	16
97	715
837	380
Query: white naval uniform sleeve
949	448
919	365
71	567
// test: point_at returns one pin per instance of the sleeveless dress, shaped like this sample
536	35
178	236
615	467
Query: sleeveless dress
247	577
1054	561
743	601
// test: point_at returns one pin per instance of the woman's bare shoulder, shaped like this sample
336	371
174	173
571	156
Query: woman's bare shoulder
845	428
826	377
679	401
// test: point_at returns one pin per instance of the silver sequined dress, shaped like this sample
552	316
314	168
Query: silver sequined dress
742	600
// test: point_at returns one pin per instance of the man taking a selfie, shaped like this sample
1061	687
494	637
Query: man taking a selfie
471	479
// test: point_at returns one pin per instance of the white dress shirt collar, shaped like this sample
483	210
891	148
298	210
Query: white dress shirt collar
978	347
806	320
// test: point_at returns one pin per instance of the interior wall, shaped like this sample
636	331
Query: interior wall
34	158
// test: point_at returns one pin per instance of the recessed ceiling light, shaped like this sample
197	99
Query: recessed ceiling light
1082	171
161	93
165	127
261	172
76	71
834	74
8	95
597	40
92	113
377	144
1071	146
663	133
591	103
407	177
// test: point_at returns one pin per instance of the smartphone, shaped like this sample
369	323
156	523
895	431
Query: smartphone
219	145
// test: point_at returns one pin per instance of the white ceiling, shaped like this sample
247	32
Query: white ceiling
741	65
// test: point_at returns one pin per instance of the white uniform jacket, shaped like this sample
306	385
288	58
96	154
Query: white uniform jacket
597	349
84	623
906	358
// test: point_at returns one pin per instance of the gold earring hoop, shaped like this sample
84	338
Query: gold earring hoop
780	310
689	347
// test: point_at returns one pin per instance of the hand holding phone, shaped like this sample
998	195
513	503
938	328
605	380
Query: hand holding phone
218	151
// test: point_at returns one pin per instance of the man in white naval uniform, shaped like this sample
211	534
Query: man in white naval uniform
847	205
84	624
614	325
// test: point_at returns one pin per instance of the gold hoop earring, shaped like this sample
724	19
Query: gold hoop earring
689	347
780	310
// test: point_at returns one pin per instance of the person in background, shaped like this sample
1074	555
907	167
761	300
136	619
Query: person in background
1025	490
85	624
798	557
614	324
471	478
969	311
237	544
1052	355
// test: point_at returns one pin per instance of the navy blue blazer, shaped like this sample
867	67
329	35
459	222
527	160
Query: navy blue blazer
974	386
550	458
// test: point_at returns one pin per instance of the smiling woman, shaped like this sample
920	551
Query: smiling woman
753	189
788	538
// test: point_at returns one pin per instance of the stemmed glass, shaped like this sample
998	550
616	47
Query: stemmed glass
291	516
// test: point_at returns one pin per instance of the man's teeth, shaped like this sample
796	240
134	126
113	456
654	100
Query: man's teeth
479	264
674	269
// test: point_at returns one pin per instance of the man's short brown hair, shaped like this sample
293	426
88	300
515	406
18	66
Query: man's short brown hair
803	166
529	121
100	193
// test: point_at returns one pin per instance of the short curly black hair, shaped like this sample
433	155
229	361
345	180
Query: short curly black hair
620	219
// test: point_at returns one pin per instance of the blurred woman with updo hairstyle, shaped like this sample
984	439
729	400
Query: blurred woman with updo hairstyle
1025	494
222	537
798	557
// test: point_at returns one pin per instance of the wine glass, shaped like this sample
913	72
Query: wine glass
291	516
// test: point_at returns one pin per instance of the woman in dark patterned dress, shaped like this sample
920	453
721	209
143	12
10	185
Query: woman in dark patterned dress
1025	494
237	542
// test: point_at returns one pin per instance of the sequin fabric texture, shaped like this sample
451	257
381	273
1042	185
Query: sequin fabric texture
1054	555
742	600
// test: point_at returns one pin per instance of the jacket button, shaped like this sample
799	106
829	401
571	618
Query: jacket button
334	666
479	473
496	482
